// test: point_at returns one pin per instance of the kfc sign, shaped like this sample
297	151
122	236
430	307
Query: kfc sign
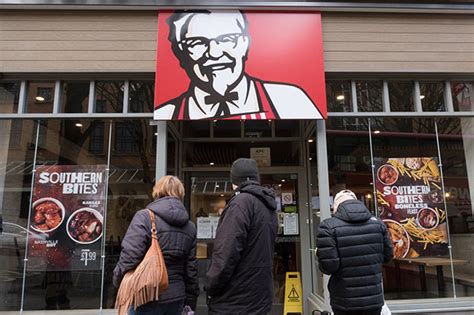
239	65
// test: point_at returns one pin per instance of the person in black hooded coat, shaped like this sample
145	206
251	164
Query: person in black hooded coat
177	239
240	278
352	246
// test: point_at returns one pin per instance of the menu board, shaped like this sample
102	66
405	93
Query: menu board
411	203
67	217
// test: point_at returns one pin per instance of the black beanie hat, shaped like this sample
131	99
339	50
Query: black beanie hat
243	170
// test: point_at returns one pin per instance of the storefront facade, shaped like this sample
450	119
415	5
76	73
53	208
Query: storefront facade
77	86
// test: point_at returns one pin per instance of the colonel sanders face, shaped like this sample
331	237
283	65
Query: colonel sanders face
211	47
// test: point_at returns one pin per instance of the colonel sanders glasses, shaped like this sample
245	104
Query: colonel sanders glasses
198	46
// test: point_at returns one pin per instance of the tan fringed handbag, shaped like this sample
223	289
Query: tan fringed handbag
144	283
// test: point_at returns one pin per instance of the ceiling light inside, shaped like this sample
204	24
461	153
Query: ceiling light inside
79	125
340	97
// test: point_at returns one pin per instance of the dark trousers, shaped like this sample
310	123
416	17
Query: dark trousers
364	312
154	308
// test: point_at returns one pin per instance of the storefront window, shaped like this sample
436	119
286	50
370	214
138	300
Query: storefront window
432	96
141	96
75	96
9	96
16	165
401	94
257	128
131	179
229	128
40	97
109	96
57	277
338	96
410	202
456	136
463	95
369	96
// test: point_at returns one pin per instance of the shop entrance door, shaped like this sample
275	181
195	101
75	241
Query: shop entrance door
208	194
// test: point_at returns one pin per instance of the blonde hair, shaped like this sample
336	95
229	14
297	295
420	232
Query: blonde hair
168	186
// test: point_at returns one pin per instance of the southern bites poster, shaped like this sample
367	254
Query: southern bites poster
67	217
411	204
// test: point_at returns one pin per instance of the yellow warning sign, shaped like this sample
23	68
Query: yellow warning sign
293	294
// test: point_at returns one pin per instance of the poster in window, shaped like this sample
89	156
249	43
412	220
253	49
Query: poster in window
411	204
67	217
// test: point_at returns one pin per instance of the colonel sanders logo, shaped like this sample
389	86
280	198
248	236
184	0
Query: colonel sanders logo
213	47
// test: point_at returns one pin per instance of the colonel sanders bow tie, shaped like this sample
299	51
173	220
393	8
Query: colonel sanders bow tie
222	100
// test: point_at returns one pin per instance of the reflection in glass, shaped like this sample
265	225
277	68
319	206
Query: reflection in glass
338	95
75	96
401	95
369	96
432	96
16	165
9	96
131	179
463	95
40	97
141	96
109	96
456	136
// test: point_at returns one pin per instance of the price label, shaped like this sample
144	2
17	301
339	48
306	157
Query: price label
87	255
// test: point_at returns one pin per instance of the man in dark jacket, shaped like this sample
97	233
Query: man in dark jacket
240	279
352	246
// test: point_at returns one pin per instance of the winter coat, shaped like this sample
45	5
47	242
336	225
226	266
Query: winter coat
240	278
177	239
352	246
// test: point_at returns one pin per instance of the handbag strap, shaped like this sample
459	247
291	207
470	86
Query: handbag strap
153	224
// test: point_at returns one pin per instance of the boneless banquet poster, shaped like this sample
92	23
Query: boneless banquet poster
67	217
411	204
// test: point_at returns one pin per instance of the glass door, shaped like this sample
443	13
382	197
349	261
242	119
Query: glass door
209	193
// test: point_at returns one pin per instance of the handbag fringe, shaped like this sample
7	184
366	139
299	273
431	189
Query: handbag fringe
145	283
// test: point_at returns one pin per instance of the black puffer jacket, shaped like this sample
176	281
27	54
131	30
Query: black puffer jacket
240	279
177	238
352	246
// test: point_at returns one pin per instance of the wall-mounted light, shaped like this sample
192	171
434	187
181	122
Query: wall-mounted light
447	195
39	98
283	180
422	97
368	196
340	97
376	132
310	140
79	125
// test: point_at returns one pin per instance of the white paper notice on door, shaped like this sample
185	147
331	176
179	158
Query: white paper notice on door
204	228
290	224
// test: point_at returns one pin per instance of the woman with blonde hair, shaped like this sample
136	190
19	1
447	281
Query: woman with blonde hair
177	238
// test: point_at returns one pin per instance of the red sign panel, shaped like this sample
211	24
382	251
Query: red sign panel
239	65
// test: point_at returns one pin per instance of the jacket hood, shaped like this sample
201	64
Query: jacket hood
353	211
171	210
266	195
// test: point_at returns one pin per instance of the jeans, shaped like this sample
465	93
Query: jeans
155	308
365	312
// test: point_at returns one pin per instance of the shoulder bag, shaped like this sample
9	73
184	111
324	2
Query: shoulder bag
144	283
